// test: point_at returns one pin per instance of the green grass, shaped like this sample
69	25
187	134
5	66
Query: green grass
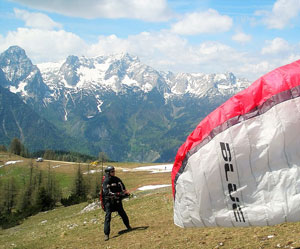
17	172
151	216
65	181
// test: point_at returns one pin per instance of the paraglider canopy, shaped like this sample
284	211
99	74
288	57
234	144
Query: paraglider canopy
240	166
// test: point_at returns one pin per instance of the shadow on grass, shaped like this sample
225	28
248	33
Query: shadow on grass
131	230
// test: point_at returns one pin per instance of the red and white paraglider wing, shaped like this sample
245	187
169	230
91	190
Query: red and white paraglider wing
241	165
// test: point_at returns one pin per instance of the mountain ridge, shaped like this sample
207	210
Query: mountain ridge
19	120
116	104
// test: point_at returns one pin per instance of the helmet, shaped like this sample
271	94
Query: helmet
109	169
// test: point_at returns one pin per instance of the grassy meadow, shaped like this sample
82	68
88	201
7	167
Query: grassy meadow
150	213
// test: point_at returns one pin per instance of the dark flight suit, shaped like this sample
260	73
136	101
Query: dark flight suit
113	189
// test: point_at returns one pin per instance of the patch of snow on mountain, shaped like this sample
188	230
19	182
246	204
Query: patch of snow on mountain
129	82
9	74
49	66
150	187
220	77
112	83
49	70
147	87
156	168
50	75
66	85
19	89
223	87
87	75
102	67
13	162
92	75
66	114
99	103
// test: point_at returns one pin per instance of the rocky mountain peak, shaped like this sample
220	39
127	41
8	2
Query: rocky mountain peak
16	53
72	60
125	57
15	64
69	70
21	75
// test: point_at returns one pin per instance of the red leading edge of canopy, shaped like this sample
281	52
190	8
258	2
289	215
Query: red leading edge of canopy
274	82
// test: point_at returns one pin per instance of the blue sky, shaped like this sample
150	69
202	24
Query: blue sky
248	38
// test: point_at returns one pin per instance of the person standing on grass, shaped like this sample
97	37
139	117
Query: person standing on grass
113	192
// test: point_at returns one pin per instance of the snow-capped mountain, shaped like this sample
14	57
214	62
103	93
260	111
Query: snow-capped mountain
200	84
107	73
120	72
116	103
24	78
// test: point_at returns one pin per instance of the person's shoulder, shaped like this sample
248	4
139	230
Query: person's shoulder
117	178
106	179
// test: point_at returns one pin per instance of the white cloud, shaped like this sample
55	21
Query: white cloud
255	68
44	45
108	45
36	20
241	37
169	52
159	50
148	10
283	11
209	21
293	56
212	49
275	46
164	51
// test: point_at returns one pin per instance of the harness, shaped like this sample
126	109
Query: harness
114	198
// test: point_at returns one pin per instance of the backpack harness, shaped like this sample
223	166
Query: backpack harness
112	197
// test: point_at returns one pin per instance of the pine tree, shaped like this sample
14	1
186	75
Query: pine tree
8	193
26	195
80	187
97	188
8	196
12	194
44	200
3	148
53	189
24	151
15	146
49	154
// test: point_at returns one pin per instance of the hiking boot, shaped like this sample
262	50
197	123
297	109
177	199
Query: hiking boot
129	228
106	237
